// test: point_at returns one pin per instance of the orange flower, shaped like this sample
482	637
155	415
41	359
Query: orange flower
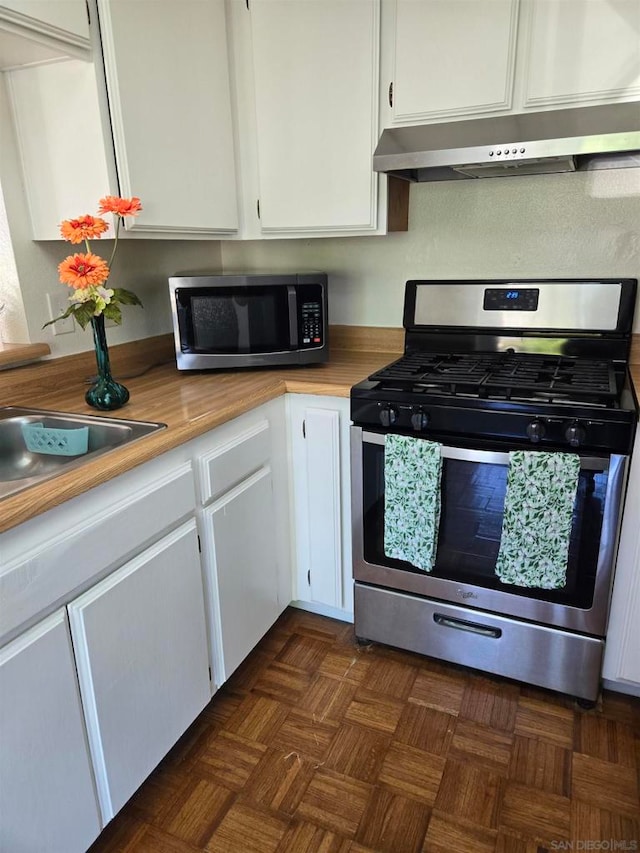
83	270
120	206
83	228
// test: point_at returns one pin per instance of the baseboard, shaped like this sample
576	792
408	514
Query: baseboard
324	610
621	687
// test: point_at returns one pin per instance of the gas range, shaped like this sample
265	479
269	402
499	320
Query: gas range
558	389
490	367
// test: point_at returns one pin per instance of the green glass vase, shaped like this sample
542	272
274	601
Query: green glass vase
105	393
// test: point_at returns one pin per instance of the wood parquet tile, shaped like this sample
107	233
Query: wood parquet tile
318	745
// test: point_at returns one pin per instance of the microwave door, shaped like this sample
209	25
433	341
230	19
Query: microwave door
293	316
255	320
242	320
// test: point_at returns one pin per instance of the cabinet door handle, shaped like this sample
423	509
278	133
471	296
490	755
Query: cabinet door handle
463	625
391	94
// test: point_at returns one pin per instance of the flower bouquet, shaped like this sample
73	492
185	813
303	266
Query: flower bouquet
91	300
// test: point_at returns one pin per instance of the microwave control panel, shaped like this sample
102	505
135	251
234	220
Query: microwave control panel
311	331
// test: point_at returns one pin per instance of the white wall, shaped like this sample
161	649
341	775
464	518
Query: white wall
569	225
13	323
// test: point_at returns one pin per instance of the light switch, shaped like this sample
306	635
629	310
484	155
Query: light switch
58	304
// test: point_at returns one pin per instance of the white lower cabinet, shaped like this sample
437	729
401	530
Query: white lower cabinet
121	562
241	470
240	541
47	797
89	707
322	507
140	643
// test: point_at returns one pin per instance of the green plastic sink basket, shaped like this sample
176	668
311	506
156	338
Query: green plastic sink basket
56	442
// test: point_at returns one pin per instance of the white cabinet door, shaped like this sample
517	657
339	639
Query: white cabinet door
622	652
170	105
453	58
47	796
65	174
320	474
66	17
581	51
141	649
316	89
240	546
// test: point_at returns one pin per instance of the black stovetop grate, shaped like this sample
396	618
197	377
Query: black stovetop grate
503	376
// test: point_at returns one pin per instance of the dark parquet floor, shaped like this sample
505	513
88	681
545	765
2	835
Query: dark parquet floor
316	745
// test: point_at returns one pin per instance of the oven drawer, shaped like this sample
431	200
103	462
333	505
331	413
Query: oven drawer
548	657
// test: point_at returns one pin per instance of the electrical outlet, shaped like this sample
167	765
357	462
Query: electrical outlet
58	304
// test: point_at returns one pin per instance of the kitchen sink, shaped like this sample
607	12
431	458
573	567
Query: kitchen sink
21	467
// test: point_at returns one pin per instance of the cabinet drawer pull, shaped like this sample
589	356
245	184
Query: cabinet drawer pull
463	625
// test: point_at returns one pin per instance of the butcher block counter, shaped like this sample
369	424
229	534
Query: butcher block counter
190	404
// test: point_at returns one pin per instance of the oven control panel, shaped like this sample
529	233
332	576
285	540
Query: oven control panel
511	299
452	423
418	419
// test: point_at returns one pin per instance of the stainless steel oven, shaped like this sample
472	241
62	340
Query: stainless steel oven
444	390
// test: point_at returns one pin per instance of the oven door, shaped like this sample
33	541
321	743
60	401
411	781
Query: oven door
473	489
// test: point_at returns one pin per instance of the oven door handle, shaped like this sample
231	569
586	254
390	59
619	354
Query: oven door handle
490	457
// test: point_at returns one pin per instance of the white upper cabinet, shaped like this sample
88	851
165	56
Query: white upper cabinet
581	51
69	17
167	80
315	73
449	59
452	58
36	31
64	173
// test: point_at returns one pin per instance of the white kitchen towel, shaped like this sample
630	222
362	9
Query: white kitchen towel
538	513
412	471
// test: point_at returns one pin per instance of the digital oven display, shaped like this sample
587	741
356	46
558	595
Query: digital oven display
516	299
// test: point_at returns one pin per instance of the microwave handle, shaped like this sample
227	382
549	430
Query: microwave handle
490	457
292	297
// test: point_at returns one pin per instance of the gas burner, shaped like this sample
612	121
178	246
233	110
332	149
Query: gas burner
503	376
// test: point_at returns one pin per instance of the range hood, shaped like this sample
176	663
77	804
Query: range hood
582	138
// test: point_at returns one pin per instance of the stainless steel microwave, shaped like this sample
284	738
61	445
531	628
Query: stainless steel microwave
249	320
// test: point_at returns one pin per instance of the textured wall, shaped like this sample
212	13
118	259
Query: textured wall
567	225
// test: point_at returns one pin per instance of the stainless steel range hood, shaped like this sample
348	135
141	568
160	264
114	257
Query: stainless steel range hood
582	138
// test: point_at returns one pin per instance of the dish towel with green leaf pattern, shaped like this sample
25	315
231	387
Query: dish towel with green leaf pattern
538	511
412	469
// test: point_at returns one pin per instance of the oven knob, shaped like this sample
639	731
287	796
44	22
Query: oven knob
535	431
419	420
575	434
388	416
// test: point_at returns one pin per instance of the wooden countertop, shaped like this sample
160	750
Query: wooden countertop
189	403
13	355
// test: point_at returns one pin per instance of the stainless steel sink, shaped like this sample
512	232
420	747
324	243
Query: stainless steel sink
21	468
